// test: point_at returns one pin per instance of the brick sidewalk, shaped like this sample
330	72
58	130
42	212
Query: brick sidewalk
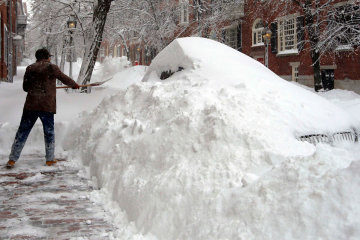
40	202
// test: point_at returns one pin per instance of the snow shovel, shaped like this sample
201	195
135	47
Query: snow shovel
95	84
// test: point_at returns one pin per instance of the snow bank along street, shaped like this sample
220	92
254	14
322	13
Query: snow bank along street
211	151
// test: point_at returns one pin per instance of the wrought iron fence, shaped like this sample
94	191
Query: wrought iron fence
351	136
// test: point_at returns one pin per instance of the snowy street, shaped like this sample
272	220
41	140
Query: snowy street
210	152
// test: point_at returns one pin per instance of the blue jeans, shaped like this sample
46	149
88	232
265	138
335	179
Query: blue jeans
28	120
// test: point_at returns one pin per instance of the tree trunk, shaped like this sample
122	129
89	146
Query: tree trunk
314	33
125	45
63	55
56	56
101	9
315	56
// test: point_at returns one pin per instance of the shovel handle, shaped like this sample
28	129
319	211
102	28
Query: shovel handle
86	85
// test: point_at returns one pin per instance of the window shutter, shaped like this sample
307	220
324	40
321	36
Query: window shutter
179	11
273	28
300	33
239	38
176	16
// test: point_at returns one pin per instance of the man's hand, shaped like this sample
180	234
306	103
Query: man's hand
76	86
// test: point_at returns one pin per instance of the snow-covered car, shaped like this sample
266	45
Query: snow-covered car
307	116
207	147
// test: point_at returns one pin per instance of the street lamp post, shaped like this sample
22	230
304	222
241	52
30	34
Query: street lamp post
267	36
71	24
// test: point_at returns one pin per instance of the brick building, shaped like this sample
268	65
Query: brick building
290	59
243	31
12	32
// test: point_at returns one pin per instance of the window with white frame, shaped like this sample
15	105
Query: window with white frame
257	30
184	11
295	73
231	37
287	39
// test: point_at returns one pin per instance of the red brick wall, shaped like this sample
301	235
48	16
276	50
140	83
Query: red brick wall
348	66
3	67
3	10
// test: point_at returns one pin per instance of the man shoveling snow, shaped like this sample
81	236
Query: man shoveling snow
40	84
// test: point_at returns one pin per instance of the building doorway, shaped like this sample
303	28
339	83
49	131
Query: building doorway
327	78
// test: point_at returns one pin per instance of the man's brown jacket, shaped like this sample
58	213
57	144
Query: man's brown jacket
40	84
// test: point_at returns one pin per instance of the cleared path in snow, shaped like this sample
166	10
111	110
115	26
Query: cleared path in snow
40	202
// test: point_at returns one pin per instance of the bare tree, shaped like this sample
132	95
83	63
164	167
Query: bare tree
48	24
212	14
157	22
150	21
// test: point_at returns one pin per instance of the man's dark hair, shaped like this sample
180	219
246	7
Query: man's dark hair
42	53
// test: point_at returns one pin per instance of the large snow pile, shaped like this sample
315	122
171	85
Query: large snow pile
211	153
347	100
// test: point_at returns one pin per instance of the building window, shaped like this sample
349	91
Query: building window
184	11
287	34
102	52
231	37
213	35
328	78
257	30
295	73
137	55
